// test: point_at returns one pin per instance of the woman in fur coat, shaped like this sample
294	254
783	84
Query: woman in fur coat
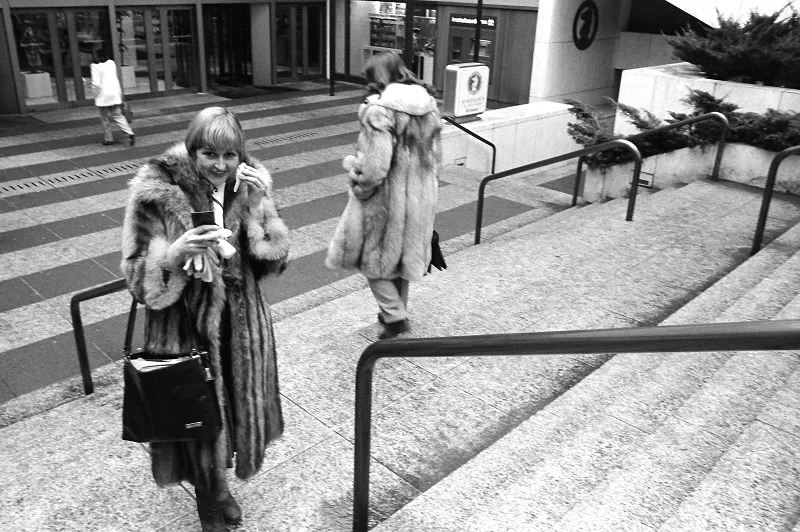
204	287
385	230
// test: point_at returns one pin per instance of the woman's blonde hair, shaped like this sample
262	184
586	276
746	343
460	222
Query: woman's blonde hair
215	127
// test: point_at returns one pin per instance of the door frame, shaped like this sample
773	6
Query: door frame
299	45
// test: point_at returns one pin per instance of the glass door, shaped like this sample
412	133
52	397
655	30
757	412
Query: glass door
299	41
227	44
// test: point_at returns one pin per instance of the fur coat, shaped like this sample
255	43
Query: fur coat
386	227
183	312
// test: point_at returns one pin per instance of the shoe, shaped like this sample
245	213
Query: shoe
108	142
131	140
394	328
231	510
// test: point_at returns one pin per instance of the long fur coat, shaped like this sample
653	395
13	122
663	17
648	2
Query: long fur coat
386	227
183	312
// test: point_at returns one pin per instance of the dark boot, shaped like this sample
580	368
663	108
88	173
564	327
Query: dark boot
131	140
231	510
390	330
210	512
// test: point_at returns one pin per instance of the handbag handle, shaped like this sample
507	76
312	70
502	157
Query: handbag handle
126	349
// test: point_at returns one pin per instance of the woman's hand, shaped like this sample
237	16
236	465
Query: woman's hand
258	178
191	242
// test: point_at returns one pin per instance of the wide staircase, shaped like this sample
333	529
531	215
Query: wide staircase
699	441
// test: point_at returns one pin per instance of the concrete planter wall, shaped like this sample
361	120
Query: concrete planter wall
741	163
522	134
660	90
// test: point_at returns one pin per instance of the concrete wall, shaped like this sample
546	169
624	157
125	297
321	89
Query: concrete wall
560	69
661	89
637	50
741	163
262	59
522	134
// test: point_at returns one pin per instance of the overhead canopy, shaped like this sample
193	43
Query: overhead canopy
706	10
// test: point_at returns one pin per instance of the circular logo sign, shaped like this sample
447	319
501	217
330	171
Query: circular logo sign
474	83
584	27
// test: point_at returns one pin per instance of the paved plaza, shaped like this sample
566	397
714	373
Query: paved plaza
62	197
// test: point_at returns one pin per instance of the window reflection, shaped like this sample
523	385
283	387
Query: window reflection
32	34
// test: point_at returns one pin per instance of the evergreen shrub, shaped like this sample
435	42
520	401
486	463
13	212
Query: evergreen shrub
764	49
773	130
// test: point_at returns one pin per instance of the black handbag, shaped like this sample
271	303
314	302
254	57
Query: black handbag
437	259
167	398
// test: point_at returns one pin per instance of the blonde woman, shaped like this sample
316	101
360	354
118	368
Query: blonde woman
200	292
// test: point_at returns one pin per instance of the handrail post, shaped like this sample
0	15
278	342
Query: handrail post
637	169
77	325
577	185
80	346
479	215
769	186
475	135
720	145
363	426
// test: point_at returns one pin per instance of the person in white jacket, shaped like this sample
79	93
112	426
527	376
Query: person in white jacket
108	97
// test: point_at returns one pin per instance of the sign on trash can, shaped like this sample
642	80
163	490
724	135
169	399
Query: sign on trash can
466	86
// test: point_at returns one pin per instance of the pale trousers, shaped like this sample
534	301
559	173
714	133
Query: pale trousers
392	297
113	113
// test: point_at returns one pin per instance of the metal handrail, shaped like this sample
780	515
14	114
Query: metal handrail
675	125
472	133
740	336
715	115
557	159
769	186
581	154
77	325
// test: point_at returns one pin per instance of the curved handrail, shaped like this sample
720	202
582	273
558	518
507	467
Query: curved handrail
715	115
741	336
557	159
675	125
77	325
769	186
475	135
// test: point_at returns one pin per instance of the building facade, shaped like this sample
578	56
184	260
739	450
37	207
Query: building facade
536	49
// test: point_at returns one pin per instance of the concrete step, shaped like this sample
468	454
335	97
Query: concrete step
754	485
500	487
429	417
671	461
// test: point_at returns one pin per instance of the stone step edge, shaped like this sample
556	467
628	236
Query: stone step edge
765	262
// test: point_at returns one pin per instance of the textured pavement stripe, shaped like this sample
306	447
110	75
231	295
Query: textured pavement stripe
254	129
286	170
95	167
38	321
306	239
37	258
179	120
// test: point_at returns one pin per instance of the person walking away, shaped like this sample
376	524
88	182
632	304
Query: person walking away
108	97
385	230
200	292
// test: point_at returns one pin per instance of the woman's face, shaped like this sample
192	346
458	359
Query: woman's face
216	165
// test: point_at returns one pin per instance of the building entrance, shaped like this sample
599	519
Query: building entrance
157	51
299	41
228	48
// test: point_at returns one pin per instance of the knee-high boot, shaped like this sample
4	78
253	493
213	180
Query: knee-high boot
210	511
